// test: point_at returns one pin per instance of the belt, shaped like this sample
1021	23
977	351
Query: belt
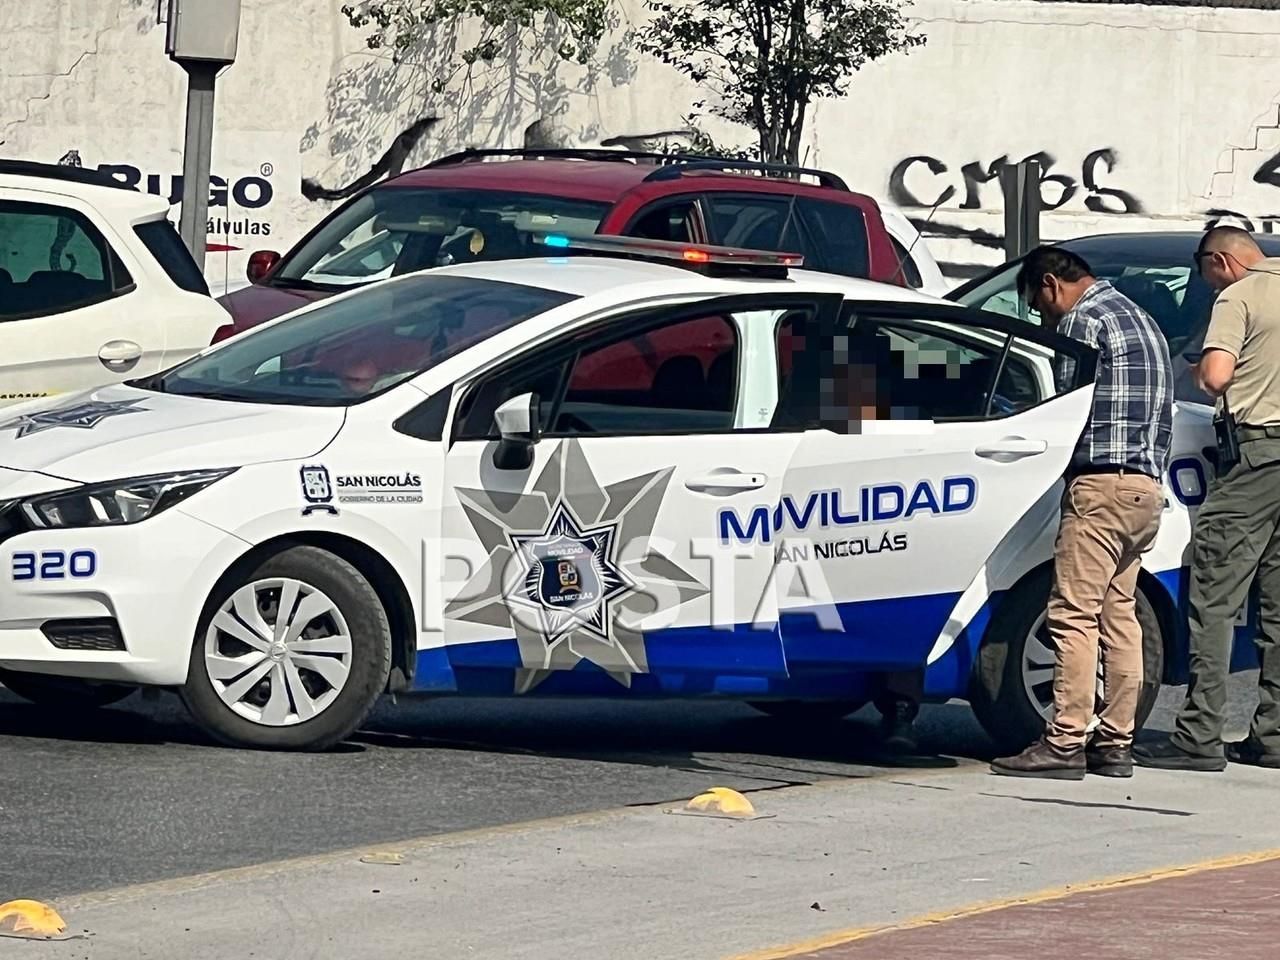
1094	469
1267	431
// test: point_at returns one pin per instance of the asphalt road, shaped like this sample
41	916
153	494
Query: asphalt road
135	793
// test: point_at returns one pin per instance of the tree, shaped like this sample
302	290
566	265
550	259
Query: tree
765	61
571	28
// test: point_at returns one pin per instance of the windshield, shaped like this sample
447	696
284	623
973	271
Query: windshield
1172	293
346	350
395	230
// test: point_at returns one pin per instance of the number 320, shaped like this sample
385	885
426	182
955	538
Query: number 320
54	565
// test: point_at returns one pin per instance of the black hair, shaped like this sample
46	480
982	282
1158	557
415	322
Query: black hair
1062	264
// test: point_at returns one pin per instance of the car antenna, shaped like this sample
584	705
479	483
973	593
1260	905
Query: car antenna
919	234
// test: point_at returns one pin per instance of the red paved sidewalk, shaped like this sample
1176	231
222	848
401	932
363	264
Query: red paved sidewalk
1229	912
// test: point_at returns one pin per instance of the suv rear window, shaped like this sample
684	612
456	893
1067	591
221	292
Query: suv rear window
831	236
398	230
163	243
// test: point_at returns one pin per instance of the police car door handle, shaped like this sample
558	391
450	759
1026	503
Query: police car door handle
119	355
728	482
1009	449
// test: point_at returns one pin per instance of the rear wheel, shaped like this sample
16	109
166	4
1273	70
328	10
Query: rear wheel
807	711
66	693
1012	689
293	656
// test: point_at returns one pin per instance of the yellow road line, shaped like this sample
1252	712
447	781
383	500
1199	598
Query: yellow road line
254	871
853	934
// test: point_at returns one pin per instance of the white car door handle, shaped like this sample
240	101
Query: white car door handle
119	355
1009	449
726	482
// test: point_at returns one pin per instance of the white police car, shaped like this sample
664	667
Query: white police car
589	475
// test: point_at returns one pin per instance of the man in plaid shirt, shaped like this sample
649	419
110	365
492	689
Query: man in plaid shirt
1111	509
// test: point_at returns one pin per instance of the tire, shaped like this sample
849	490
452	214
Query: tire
1012	687
307	693
63	693
807	711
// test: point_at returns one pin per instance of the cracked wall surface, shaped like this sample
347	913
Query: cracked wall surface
1145	116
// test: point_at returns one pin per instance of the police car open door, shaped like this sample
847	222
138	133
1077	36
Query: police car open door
596	561
933	431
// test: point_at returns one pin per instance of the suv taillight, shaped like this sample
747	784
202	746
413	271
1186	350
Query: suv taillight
224	331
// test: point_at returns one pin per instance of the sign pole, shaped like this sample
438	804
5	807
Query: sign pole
197	152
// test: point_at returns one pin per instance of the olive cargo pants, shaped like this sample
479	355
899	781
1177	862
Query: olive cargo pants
1236	536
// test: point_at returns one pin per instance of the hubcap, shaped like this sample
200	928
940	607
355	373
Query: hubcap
278	652
1039	654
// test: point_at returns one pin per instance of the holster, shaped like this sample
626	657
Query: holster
1228	439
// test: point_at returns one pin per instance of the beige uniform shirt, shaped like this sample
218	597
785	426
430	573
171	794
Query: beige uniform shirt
1246	323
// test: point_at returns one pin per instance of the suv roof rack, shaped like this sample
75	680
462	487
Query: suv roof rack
54	171
670	166
551	153
679	165
704	258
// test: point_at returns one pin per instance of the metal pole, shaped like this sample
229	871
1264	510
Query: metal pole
1020	183
196	156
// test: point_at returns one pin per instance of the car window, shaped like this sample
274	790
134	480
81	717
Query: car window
395	230
910	272
1172	293
881	368
831	236
53	259
162	242
675	222
678	376
355	347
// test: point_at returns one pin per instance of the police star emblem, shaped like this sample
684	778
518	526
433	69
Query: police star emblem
570	575
82	416
573	568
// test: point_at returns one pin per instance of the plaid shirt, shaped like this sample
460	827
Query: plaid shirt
1131	424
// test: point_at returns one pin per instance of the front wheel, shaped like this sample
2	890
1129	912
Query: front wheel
1012	688
292	656
64	693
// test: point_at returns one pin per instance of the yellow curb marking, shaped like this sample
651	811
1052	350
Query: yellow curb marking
724	801
30	919
851	935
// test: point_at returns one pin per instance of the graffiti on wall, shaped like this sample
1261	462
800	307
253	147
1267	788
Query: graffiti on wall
1057	189
1267	175
926	182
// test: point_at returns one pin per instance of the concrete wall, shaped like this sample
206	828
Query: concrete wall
1146	116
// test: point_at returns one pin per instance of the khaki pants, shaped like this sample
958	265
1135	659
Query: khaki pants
1108	521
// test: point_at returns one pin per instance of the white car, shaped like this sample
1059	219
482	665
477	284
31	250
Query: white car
95	284
919	269
666	471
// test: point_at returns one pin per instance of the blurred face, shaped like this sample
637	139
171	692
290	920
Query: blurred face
1219	268
360	377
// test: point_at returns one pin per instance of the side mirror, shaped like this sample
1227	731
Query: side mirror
517	422
261	262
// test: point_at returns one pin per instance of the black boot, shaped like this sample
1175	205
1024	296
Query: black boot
1167	755
897	727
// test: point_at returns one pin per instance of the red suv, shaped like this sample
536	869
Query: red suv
498	204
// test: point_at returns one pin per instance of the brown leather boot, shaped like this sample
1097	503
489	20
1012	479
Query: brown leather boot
1109	761
1043	759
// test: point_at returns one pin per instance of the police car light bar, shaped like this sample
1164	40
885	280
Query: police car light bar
705	258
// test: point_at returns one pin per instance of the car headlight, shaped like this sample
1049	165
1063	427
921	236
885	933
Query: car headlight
119	501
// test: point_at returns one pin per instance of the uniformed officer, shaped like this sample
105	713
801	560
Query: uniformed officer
1237	533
